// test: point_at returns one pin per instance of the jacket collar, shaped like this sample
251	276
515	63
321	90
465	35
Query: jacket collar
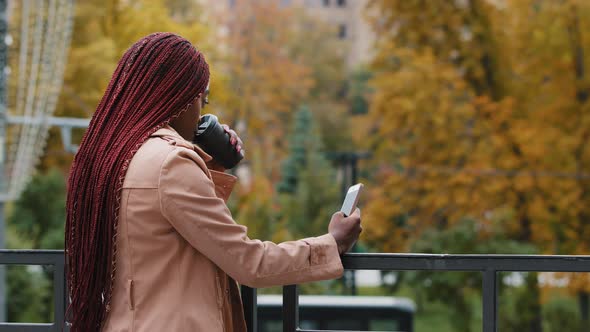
171	135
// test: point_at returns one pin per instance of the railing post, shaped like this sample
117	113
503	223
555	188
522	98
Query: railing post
490	301
290	308
59	286
249	302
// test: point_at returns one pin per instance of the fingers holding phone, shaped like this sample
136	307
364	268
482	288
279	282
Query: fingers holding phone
345	225
345	230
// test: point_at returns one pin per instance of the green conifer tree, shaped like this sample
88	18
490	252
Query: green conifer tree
308	193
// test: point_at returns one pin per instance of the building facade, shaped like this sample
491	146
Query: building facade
347	17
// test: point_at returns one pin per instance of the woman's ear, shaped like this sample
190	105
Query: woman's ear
199	100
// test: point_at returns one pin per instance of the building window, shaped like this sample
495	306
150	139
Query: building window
285	3
326	3
232	3
342	33
341	3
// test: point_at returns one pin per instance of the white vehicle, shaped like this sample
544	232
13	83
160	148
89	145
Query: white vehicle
358	313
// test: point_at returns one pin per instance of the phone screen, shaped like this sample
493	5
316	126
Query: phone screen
351	199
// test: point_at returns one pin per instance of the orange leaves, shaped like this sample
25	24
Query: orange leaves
275	64
479	111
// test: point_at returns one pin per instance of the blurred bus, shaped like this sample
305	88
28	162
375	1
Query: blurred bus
360	313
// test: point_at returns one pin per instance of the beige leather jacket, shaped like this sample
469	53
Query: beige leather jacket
179	250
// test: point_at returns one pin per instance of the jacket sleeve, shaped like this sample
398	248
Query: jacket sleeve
188	200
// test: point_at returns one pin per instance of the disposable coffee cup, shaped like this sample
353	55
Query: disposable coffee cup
212	138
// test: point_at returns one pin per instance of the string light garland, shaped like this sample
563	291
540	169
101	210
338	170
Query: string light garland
44	39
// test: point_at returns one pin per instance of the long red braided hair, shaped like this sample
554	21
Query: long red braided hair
157	79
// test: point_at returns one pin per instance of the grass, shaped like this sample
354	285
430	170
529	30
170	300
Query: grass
560	308
429	314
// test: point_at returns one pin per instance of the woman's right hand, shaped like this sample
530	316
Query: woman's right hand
345	230
237	144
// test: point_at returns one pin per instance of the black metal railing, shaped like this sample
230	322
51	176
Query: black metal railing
53	258
488	265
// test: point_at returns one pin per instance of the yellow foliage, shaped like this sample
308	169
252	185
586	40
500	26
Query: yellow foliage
477	110
103	30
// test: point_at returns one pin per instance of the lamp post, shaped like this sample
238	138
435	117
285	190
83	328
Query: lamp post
3	113
347	161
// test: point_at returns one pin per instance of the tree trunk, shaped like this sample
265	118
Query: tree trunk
581	97
536	322
583	302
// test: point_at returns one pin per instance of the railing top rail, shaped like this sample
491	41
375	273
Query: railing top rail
378	254
373	255
32	257
31	251
462	256
444	262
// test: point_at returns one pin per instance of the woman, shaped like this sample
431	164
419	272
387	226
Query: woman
150	243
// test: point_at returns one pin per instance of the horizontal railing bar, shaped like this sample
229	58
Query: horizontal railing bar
299	330
379	261
26	327
32	257
433	262
50	120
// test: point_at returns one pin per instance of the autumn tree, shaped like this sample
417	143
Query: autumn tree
103	30
273	59
277	58
480	110
555	87
280	57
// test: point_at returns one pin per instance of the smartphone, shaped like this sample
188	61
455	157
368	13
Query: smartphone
351	199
